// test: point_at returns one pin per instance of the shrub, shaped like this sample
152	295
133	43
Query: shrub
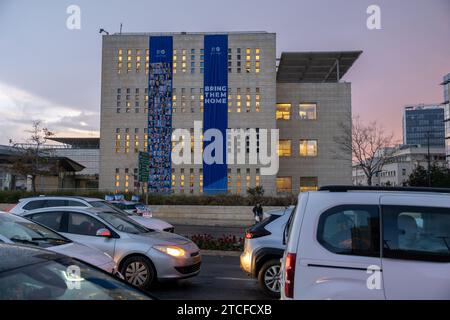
158	199
224	243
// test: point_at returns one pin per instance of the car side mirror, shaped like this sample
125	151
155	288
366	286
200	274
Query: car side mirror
103	232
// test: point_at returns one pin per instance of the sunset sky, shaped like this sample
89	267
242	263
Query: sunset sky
51	73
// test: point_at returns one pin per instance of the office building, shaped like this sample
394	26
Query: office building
153	84
424	124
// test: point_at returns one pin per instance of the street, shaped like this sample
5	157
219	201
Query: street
219	278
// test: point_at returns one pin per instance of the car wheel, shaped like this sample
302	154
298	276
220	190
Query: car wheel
139	271
269	278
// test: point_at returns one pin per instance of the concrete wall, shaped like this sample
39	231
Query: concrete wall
224	216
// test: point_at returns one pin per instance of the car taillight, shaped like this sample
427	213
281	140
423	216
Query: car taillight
8	209
289	275
252	234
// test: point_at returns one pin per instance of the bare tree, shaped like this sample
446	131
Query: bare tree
32	158
370	146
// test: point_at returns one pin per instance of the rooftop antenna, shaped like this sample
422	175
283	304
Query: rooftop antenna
120	28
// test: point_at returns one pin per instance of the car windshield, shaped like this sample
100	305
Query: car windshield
122	223
106	205
64	279
20	230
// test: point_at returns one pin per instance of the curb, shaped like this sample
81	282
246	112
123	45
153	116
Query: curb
220	253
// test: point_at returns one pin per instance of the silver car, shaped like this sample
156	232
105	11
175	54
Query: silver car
14	229
143	255
263	249
33	203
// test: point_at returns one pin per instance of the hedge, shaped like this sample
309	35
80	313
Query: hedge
157	199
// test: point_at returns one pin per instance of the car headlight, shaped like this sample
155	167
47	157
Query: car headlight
171	250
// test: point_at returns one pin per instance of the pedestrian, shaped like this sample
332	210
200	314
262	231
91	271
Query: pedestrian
258	212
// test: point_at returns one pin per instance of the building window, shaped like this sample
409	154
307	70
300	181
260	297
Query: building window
183	60
238	181
229	101
283	111
248	100
308	111
138	60
117	144
257	100
257	60
284	148
238	100
308	148
119	61
284	184
308	184
247	179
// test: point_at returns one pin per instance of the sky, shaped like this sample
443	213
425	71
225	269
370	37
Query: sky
51	73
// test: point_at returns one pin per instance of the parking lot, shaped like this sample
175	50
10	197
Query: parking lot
219	278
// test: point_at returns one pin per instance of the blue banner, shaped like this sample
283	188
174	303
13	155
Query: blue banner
215	114
160	114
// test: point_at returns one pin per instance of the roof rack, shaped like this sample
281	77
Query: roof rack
397	189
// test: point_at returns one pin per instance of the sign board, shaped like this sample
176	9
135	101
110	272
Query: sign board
144	165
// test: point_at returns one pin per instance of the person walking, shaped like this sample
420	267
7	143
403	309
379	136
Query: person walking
258	212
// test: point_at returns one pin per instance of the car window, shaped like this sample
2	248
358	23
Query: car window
34	204
55	203
83	224
350	230
122	223
417	233
52	280
20	230
75	203
50	219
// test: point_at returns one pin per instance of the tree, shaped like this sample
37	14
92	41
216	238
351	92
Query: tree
256	193
439	176
32	159
369	145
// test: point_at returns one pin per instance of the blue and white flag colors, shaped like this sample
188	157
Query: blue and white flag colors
160	114
215	114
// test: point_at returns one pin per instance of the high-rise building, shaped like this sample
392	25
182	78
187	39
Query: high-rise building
423	124
153	84
446	104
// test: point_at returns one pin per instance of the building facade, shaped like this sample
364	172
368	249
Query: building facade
446	104
423	124
257	89
401	163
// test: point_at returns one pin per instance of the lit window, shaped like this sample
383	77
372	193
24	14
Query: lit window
308	111
238	182
248	100
283	111
308	148
308	184
257	100
284	184
284	148
238	100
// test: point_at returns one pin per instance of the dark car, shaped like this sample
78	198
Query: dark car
29	273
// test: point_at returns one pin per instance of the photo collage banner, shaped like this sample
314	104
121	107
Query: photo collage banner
160	114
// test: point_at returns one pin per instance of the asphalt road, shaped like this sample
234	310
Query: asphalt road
219	278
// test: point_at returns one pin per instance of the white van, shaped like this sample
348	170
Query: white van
368	243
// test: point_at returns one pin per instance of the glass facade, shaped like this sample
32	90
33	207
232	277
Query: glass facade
423	122
446	85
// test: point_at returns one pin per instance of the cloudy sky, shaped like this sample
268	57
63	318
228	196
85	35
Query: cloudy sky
51	73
